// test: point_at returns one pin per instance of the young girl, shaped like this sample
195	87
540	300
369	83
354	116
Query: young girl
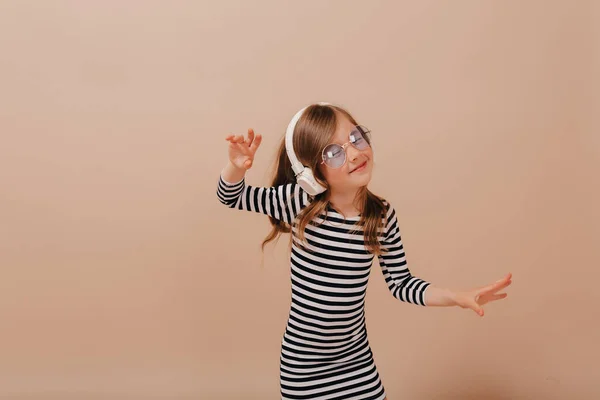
337	227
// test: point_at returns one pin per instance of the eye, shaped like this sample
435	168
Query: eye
355	138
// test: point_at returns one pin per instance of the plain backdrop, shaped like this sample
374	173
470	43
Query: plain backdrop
123	277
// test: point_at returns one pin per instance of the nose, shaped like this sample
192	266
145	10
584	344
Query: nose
352	153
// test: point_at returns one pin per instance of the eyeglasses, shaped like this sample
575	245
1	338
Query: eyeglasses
334	155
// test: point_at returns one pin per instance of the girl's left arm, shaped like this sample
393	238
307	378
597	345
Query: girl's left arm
406	287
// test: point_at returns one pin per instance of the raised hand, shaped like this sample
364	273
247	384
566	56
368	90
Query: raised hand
476	298
242	150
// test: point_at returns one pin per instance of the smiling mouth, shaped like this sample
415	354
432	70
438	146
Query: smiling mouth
364	164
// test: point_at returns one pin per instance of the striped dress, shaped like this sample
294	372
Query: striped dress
325	352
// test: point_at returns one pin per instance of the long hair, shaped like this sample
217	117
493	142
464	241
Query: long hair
314	130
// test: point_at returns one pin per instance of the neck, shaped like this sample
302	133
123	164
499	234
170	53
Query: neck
345	201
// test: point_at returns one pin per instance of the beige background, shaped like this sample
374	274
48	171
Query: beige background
124	278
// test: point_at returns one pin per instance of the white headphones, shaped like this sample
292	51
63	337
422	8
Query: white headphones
304	175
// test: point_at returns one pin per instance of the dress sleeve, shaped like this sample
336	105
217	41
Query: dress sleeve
283	202
402	284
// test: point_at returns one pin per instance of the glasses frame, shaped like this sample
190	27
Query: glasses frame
364	131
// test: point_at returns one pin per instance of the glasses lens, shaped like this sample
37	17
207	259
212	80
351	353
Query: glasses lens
360	137
334	155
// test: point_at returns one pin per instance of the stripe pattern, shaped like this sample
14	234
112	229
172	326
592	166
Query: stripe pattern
325	351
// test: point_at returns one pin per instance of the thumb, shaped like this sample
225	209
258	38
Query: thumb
478	310
248	163
474	305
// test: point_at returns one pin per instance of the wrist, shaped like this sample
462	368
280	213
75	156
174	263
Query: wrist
452	297
233	174
440	297
448	297
234	167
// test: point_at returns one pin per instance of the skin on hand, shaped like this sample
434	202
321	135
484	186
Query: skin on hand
241	155
474	299
242	151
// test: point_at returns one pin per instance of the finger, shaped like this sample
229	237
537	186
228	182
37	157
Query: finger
257	141
506	278
250	136
474	305
490	297
248	163
240	139
234	138
229	137
240	148
498	296
504	285
494	287
487	291
478	310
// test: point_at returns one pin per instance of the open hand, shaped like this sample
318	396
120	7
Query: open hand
241	151
476	298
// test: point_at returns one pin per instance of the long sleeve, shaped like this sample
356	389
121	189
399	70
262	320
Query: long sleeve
282	202
402	284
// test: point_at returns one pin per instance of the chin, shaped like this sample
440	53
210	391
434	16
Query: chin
360	181
365	182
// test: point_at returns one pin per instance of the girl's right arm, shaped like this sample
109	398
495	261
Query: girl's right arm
282	202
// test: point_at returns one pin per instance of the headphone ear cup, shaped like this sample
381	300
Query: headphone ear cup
307	181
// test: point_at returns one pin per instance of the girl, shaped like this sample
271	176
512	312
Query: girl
337	228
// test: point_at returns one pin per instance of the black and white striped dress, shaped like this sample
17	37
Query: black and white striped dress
325	352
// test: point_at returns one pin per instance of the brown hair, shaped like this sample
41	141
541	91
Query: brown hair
314	130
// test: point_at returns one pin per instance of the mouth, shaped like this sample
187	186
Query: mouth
360	167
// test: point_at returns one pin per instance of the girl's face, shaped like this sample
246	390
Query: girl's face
356	171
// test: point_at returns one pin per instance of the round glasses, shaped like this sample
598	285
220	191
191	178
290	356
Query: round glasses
334	155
